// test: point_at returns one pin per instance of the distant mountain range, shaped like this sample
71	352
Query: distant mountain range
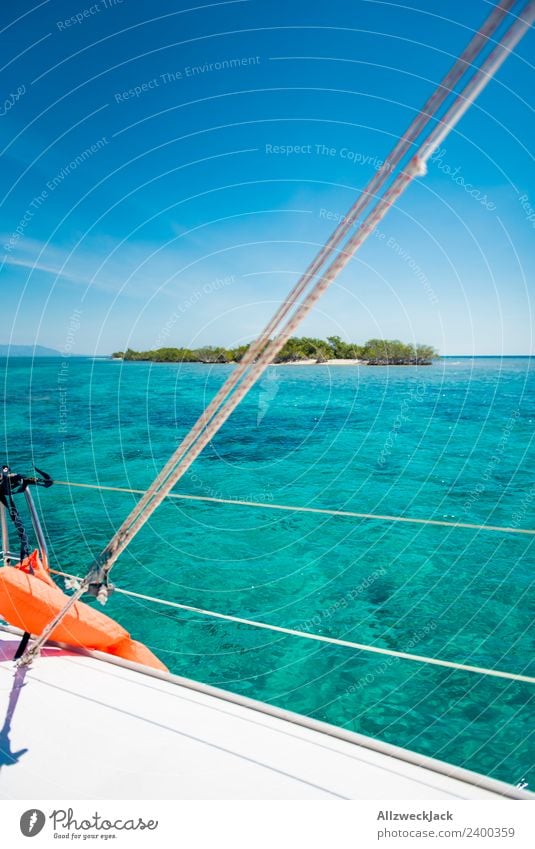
27	351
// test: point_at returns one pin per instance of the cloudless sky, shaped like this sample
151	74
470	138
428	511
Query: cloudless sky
167	216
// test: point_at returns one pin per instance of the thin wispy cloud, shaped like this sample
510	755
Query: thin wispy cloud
33	265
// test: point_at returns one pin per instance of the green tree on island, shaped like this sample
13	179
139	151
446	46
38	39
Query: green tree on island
375	352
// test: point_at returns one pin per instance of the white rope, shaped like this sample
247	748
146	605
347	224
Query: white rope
475	46
198	439
292	632
181	461
431	106
478	82
322	511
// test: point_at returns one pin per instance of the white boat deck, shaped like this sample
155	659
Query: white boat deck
87	726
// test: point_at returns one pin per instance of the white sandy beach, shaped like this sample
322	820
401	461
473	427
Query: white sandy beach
326	363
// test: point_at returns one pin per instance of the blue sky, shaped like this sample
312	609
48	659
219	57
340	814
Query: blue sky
169	215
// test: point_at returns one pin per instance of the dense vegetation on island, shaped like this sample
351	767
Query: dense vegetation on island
373	352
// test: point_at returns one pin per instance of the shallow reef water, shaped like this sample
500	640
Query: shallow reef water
451	442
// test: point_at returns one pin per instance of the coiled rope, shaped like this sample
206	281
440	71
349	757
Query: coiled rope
293	632
264	350
322	511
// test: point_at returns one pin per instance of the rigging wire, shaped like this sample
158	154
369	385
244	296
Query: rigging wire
203	431
181	459
441	93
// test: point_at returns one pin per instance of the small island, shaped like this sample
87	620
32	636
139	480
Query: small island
302	350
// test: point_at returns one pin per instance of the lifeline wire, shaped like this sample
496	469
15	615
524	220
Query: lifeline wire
176	466
370	192
322	511
435	661
179	463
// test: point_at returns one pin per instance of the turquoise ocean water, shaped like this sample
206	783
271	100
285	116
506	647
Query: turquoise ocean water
453	441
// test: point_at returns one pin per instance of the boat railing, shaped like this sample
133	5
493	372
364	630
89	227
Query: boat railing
8	557
36	524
